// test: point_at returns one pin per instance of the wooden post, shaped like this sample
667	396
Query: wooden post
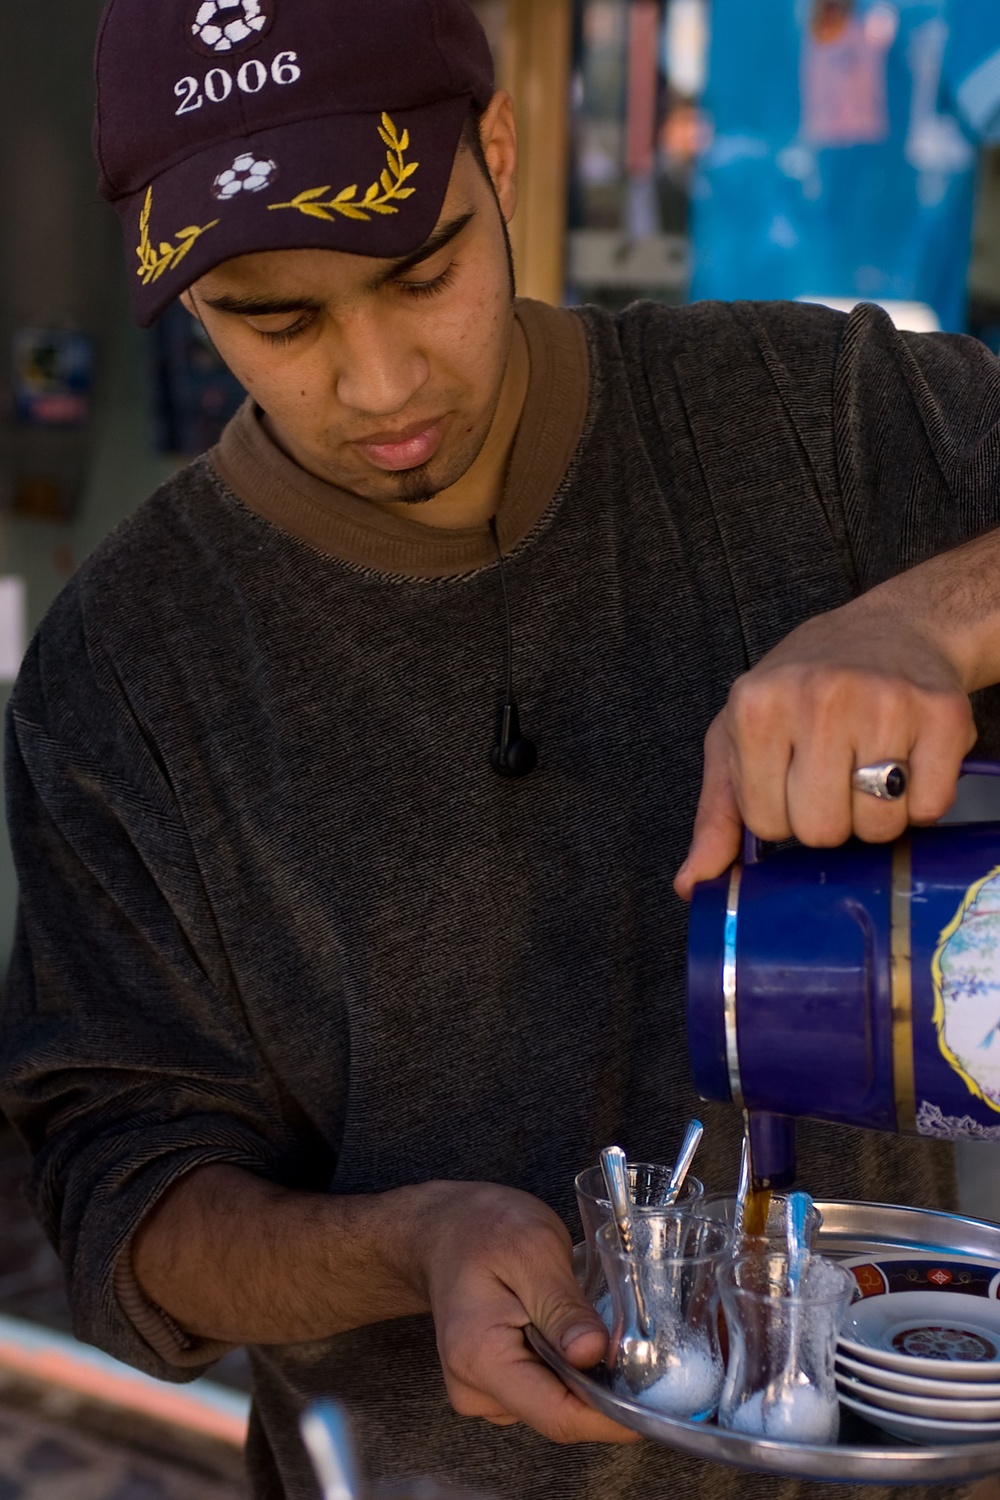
536	69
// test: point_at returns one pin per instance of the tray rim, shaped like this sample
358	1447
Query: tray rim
892	1463
902	1464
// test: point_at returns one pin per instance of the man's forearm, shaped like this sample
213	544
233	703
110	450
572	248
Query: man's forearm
230	1256
954	600
233	1257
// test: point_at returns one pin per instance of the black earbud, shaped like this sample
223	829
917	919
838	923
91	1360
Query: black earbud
513	754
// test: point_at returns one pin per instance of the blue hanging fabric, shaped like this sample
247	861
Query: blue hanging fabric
972	65
841	162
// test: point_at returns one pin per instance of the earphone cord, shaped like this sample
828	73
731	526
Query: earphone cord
506	610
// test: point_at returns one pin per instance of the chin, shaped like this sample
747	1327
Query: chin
417	486
421	497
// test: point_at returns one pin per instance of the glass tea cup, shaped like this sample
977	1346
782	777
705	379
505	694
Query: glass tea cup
673	1361
780	1374
648	1183
721	1209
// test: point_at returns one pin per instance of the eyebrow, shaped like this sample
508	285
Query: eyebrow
441	237
262	306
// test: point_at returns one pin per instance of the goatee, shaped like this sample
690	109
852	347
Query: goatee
415	487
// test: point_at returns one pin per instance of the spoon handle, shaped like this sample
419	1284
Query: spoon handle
797	1212
328	1440
615	1165
685	1156
615	1168
742	1187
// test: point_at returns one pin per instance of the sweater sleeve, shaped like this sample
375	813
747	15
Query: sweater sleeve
125	1058
917	434
914	439
833	451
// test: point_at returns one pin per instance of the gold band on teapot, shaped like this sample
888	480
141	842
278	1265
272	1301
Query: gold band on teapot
901	969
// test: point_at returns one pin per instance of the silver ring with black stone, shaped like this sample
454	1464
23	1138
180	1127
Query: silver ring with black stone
886	780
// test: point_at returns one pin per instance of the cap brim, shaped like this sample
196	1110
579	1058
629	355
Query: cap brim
361	184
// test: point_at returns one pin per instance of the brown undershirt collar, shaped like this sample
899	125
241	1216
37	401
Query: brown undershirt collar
342	525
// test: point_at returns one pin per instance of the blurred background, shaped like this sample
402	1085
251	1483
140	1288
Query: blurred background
831	150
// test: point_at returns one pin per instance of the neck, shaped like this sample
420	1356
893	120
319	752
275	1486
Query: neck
477	495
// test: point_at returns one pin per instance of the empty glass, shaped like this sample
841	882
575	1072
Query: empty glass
674	1364
648	1183
721	1209
780	1378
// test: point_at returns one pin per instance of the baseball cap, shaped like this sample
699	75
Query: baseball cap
225	127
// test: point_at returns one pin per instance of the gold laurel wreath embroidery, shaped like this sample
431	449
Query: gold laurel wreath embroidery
380	197
152	264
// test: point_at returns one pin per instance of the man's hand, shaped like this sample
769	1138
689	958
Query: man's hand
865	683
496	1260
235	1258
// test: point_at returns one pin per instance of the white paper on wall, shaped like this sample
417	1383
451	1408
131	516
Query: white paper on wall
13	625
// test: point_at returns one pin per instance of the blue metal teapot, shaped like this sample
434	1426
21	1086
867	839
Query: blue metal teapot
859	985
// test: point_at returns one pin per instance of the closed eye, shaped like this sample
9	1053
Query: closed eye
286	335
430	288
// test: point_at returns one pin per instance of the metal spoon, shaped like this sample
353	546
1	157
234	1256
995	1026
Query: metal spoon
327	1436
778	1403
632	1346
685	1156
797	1210
742	1189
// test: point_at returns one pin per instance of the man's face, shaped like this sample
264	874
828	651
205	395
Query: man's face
381	377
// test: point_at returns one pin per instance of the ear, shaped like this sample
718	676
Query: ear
498	134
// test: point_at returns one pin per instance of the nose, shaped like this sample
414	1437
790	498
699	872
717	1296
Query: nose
379	371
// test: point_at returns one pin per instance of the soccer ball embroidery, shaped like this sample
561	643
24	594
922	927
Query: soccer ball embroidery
246	175
222	25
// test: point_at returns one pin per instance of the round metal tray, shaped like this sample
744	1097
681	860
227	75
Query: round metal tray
863	1454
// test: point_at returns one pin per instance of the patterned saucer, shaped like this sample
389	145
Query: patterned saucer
922	1429
909	1384
926	1315
960	1406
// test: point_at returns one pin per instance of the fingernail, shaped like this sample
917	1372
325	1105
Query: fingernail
577	1332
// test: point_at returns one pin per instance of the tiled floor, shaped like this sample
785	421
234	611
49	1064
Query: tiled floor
49	1457
53	1446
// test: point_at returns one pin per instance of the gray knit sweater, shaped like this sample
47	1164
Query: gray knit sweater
277	910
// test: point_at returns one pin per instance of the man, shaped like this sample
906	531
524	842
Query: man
314	1016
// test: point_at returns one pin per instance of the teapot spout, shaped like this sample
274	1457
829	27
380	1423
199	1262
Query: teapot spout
772	1149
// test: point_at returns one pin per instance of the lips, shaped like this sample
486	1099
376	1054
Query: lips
408	449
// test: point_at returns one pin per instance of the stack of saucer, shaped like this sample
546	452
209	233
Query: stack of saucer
919	1351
